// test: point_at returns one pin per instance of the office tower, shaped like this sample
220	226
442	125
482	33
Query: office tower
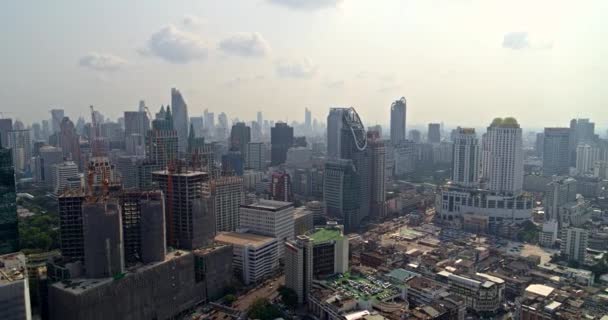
308	120
187	213
280	186
377	175
555	151
415	136
70	224
398	116
197	124
240	136
143	226
6	125
539	144
269	218
442	152
20	143
57	116
47	156
353	146
254	256
65	176
232	163
403	158
581	131
37	132
136	124
560	191
221	127
127	167
586	156
180	118
46	130
341	192
69	141
298	266
466	162
103	239
334	131
14	288
434	133
256	156
502	158
162	139
9	232
281	139
226	195
260	119
222	120
209	118
574	244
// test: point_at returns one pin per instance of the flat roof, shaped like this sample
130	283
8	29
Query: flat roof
268	205
490	278
243	239
540	289
13	269
326	234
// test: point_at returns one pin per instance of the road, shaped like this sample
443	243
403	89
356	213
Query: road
267	290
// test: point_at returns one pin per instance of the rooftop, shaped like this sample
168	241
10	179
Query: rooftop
326	234
12	268
269	205
540	289
243	239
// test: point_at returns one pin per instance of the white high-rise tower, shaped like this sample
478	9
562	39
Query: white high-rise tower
466	167
503	160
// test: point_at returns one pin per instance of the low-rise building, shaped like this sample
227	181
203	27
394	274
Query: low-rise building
254	257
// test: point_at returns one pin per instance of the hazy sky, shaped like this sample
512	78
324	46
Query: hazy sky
458	61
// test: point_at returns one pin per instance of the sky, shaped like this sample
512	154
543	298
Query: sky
462	62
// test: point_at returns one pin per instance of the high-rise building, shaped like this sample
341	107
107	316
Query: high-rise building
180	118
260	119
298	266
502	157
64	176
103	238
57	116
466	162
560	191
198	125
9	232
574	243
334	131
280	186
377	175
308	120
47	156
209	118
434	133
556	159
581	131
20	143
136	124
415	136
6	125
586	156
254	256
269	218
226	195
341	192
256	156
233	163
14	288
71	226
69	142
539	144
189	220
162	139
281	139
240	136
398	117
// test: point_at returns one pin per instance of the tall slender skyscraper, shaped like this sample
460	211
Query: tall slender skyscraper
466	160
398	117
240	136
9	232
162	139
260	118
308	120
6	125
281	139
57	116
334	131
556	159
180	118
503	159
377	175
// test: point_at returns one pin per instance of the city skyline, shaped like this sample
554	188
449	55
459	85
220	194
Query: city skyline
224	63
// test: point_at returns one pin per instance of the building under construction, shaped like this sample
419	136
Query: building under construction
71	224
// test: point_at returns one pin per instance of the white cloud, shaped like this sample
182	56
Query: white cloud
102	61
245	45
176	46
522	40
193	22
240	80
307	4
301	69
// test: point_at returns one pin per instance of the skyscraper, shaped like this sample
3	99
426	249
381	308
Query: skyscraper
398	117
581	131
226	194
180	118
57	116
334	131
556	159
574	244
502	158
69	141
136	124
6	125
308	120
260	119
434	133
281	139
466	160
341	192
240	136
415	136
377	175
20	143
162	139
586	155
9	233
280	186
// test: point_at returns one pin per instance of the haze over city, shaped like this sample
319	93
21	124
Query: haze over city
453	58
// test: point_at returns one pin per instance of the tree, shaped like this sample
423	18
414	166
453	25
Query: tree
229	299
262	309
289	297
